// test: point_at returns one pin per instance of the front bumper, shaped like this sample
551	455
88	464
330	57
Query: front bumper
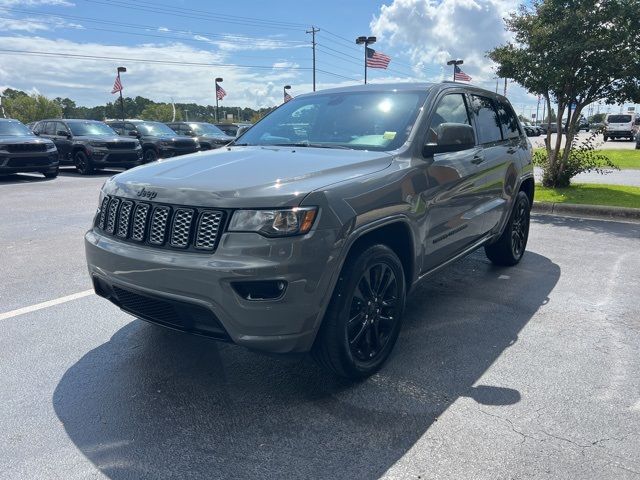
168	152
106	157
28	162
196	289
619	134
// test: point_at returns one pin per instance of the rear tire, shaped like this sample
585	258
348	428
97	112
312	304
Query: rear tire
606	138
510	247
83	163
364	317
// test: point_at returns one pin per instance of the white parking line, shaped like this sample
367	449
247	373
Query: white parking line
40	306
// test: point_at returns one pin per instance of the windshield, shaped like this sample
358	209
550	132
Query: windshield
14	128
154	129
90	128
619	118
206	129
354	120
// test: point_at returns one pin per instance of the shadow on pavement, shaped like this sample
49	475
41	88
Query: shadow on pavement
24	178
72	172
601	227
153	403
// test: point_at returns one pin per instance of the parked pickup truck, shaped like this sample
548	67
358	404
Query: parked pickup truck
310	229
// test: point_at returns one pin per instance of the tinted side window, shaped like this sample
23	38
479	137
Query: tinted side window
50	128
451	109
60	127
508	120
38	127
128	128
487	121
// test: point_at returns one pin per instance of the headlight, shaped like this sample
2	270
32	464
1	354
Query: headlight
51	146
98	144
274	223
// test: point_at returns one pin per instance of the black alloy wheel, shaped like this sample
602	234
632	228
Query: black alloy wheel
150	155
373	312
83	163
519	229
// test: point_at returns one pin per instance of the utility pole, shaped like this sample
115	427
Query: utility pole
366	41
186	115
505	87
497	80
313	32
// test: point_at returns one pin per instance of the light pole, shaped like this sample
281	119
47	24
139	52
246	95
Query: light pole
366	41
284	92
186	115
455	63
121	70
218	79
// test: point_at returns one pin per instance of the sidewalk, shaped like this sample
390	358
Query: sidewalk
614	177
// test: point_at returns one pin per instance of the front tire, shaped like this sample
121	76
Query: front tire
150	155
510	247
363	320
83	163
51	173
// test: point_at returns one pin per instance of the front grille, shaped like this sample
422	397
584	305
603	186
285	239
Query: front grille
158	225
29	162
123	157
26	147
121	145
184	144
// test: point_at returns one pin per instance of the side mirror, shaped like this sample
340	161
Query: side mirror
63	133
134	133
450	137
242	129
190	133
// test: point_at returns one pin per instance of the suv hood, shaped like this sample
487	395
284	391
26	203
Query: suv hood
104	138
246	177
11	139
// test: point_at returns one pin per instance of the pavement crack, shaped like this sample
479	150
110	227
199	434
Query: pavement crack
512	426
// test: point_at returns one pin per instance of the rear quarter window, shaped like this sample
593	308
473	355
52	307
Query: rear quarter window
508	120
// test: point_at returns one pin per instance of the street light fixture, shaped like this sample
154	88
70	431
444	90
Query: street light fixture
121	70
218	80
455	63
284	92
366	41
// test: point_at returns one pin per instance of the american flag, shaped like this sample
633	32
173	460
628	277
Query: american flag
117	85
458	74
220	93
287	97
377	59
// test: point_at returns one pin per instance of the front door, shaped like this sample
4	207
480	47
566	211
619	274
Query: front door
452	187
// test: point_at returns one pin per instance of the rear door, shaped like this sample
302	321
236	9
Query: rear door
452	192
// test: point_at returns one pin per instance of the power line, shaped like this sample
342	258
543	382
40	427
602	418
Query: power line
180	13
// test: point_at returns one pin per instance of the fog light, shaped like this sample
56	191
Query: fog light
262	290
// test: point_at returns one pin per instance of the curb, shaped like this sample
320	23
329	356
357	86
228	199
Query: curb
597	211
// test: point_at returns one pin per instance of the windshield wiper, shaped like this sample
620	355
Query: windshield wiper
311	145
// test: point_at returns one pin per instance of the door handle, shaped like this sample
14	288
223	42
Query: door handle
477	159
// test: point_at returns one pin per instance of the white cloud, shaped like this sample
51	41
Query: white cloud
31	25
89	81
431	32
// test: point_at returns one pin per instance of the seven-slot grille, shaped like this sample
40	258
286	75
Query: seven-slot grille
121	145
26	147
159	225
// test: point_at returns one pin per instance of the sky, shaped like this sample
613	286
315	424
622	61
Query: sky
174	49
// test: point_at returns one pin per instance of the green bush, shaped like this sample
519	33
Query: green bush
583	157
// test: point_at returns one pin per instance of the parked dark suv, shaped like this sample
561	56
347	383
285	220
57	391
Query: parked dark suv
22	151
307	233
158	140
89	145
208	135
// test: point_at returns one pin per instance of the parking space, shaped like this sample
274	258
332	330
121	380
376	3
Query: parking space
531	371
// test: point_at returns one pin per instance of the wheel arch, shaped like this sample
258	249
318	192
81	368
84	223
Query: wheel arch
528	186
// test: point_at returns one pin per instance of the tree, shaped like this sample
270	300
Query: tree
597	118
160	112
29	108
574	52
552	117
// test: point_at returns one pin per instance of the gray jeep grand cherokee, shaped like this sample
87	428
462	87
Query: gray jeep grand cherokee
307	233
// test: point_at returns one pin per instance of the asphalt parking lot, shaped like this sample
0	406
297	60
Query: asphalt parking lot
527	372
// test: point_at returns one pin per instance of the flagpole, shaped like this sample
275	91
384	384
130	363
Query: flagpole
218	79
366	41
121	69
